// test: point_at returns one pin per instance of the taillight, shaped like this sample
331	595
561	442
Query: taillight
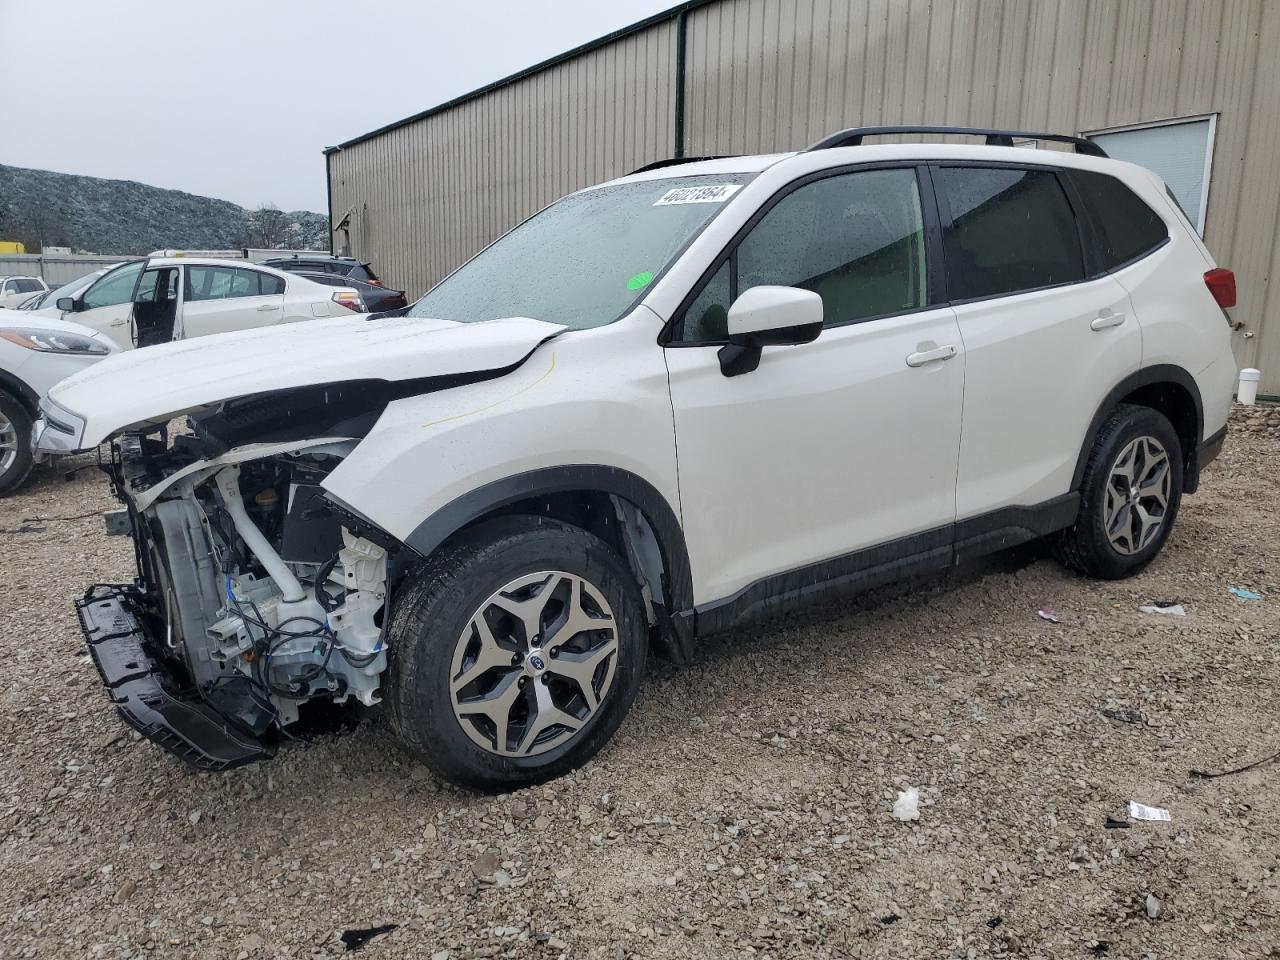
1222	284
349	299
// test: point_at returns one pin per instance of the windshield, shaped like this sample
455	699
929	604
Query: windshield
73	288
586	259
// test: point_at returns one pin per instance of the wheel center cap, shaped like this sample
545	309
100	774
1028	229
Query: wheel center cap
535	664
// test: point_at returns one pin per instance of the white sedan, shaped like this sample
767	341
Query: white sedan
35	353
157	299
14	290
137	304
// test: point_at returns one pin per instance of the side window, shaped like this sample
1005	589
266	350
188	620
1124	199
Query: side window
857	240
113	288
28	286
251	283
157	286
149	290
328	279
1012	230
1128	228
707	318
209	283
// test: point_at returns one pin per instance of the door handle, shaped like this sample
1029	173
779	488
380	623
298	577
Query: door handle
267	306
1104	320
118	323
920	358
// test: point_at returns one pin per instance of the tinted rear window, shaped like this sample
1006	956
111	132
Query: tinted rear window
1128	228
1012	230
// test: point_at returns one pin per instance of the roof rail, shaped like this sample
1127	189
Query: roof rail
673	162
994	138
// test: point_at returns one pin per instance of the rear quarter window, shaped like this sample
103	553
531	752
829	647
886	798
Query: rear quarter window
1012	230
1127	228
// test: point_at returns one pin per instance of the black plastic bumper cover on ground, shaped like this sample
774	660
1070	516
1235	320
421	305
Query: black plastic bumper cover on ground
186	727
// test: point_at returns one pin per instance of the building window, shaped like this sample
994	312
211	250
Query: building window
1180	151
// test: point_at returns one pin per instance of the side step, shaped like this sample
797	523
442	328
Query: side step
188	728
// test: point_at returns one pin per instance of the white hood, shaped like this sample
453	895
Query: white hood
154	384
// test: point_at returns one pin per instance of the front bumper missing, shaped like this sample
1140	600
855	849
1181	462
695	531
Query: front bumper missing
142	688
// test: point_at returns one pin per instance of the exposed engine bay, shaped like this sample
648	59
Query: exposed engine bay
256	594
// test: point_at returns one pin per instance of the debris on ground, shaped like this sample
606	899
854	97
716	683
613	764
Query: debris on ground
1048	615
1114	824
357	938
907	806
1245	594
1205	775
1122	714
1153	906
1140	811
1171	609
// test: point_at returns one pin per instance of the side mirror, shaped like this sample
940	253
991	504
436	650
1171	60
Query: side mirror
765	317
66	304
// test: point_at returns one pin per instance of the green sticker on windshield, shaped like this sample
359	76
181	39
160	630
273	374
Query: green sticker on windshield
640	281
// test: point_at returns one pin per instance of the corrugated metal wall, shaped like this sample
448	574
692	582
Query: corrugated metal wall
428	195
765	75
55	268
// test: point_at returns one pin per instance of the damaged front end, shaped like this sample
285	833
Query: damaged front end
255	594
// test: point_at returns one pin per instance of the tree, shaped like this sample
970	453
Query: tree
36	224
269	228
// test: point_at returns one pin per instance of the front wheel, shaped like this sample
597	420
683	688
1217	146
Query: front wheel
515	653
1130	494
15	444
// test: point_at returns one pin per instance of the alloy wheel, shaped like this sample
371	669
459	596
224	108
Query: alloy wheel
8	443
534	664
1137	498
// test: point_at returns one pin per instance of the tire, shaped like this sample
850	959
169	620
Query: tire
1112	537
15	443
434	643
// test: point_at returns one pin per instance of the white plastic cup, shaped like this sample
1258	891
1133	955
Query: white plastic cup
1247	388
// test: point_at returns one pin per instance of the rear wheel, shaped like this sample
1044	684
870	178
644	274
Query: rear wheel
1130	494
15	444
515	653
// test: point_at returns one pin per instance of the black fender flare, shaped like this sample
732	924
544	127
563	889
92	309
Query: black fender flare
1159	373
453	516
21	392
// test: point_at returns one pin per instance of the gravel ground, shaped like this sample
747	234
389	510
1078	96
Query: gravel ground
745	807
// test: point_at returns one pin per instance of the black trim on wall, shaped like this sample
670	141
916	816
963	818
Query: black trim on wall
672	13
682	37
328	197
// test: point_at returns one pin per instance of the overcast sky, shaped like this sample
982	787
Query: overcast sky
236	98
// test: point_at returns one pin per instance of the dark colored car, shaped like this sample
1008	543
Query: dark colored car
376	297
348	267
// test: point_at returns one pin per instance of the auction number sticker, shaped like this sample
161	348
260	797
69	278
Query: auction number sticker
717	193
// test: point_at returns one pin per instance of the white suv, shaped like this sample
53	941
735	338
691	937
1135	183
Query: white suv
16	290
158	299
662	407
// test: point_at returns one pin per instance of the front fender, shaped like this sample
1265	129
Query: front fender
594	399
